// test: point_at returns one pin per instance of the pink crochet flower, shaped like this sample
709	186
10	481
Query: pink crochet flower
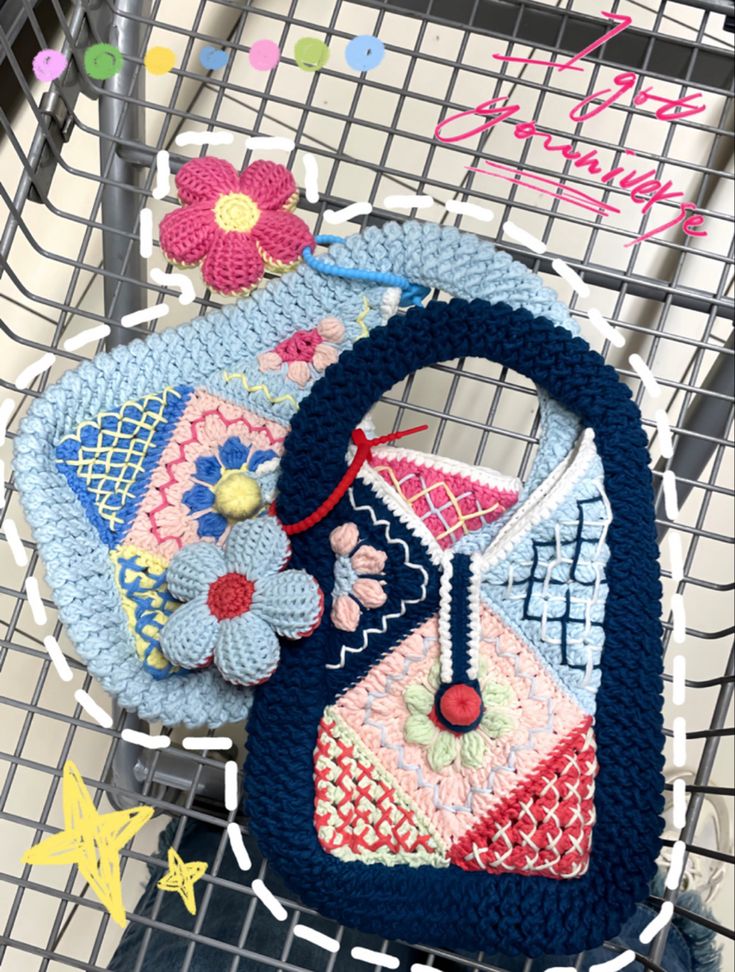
304	350
239	225
356	569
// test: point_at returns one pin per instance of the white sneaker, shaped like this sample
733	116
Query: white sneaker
714	832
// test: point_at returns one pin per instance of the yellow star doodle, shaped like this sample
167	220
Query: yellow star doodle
182	877
91	840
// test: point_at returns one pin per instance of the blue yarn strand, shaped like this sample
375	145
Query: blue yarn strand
411	293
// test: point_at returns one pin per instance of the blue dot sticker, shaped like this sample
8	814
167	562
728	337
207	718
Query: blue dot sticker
212	58
364	53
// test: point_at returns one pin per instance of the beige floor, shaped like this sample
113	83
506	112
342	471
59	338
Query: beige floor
25	678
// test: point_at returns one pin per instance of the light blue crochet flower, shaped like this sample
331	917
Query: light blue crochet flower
239	600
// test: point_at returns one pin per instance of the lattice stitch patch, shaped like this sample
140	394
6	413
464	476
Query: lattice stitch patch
546	826
108	460
554	588
141	580
359	812
449	504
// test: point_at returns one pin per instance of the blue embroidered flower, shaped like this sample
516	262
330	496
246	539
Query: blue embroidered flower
235	484
239	599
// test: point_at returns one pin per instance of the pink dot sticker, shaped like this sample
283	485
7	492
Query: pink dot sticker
48	65
264	55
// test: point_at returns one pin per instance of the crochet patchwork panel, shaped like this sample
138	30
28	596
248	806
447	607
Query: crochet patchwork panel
514	793
183	463
472	759
148	477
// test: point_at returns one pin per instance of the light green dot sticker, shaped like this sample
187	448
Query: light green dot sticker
311	53
102	61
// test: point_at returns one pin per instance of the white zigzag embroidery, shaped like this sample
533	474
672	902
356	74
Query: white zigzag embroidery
345	649
509	767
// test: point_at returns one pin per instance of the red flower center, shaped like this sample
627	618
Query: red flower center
461	705
300	346
229	596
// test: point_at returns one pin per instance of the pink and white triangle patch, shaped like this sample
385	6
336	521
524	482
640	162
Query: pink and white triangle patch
451	499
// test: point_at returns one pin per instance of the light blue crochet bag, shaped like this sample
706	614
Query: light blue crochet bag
172	440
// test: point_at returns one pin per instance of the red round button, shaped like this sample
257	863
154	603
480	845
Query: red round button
461	705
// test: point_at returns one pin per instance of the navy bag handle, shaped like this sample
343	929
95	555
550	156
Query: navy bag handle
453	908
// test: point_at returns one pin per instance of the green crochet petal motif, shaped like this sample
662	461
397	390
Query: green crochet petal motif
420	729
443	751
472	750
419	700
495	694
497	723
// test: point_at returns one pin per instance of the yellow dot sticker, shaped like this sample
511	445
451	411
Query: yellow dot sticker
159	60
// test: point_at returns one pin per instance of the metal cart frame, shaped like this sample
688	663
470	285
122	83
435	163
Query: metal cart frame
184	784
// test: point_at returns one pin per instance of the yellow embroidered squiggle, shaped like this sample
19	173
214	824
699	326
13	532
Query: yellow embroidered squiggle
364	331
273	399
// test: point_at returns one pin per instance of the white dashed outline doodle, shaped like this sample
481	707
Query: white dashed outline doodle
203	743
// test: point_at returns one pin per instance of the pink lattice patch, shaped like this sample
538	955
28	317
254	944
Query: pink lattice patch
209	430
534	717
449	501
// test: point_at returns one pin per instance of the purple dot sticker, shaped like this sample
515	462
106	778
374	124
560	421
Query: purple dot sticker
264	55
48	65
364	53
212	58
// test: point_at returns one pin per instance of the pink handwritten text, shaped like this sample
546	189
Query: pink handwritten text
644	189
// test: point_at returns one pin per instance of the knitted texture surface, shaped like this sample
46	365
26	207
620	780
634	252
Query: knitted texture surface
238	601
532	824
237	225
172	440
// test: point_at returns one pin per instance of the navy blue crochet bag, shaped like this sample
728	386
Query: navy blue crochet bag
466	753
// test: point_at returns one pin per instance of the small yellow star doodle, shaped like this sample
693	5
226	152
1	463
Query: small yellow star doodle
91	840
182	877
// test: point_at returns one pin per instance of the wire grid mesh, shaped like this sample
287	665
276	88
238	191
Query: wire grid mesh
83	172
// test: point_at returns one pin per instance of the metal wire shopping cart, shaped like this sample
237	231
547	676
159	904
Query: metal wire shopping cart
69	259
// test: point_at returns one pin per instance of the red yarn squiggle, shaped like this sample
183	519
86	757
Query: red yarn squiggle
364	447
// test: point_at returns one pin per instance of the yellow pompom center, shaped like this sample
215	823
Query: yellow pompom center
236	213
237	496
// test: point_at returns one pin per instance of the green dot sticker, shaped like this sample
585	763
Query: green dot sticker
102	61
311	53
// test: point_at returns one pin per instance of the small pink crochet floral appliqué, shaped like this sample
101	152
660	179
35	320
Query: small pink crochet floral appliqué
236	225
356	571
306	352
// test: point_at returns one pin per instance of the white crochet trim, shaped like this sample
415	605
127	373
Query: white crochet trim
543	499
473	609
389	302
445	616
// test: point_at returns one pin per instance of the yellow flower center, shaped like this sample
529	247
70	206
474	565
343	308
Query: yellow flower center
236	213
237	495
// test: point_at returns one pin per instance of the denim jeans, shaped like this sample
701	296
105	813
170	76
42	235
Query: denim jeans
231	918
